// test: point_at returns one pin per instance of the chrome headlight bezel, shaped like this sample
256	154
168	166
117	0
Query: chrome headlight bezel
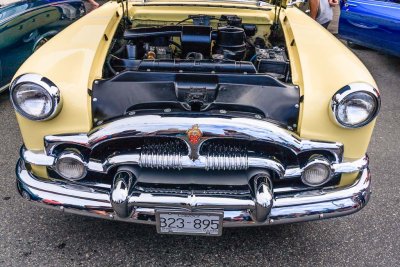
344	93
49	89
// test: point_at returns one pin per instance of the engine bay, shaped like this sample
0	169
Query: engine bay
199	44
209	65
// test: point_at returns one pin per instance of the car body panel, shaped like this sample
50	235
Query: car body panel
88	35
317	44
24	24
83	56
371	23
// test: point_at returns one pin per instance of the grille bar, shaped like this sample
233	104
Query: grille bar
225	157
166	155
171	155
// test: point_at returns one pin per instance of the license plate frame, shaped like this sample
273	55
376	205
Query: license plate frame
185	214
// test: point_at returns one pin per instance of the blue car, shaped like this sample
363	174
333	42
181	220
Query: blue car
371	23
27	25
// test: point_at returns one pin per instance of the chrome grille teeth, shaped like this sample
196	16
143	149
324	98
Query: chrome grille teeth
169	155
162	155
222	157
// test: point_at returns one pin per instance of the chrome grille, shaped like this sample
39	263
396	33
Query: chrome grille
166	155
226	157
173	155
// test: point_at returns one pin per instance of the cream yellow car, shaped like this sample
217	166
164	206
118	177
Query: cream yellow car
193	116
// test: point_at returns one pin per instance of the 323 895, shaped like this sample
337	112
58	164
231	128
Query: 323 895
190	223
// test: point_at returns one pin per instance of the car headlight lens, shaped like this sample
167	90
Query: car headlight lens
317	172
35	97
356	109
32	101
355	105
71	166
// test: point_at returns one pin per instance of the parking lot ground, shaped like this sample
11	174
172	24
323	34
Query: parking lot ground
33	236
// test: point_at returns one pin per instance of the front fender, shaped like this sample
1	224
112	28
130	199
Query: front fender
321	65
71	60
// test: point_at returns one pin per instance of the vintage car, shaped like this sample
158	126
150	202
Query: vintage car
27	25
371	23
193	116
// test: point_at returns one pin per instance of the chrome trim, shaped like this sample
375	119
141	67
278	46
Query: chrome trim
41	159
161	161
177	126
50	88
259	206
51	141
351	166
172	126
298	207
226	162
36	157
188	202
263	199
4	88
344	92
119	194
185	163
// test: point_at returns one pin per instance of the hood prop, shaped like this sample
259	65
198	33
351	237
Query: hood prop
125	13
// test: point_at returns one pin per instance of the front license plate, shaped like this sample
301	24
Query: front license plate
189	223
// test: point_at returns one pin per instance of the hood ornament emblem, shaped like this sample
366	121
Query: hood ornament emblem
194	136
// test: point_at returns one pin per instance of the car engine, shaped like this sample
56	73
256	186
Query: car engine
231	47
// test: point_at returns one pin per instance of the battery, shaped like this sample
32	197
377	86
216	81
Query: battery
272	60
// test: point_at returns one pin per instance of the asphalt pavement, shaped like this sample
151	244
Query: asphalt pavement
33	236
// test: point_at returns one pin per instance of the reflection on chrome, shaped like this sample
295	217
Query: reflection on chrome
175	126
164	145
37	158
213	128
304	206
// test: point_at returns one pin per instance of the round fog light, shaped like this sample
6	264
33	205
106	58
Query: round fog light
317	172
71	166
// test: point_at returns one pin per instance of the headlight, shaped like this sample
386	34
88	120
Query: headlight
70	165
35	97
355	105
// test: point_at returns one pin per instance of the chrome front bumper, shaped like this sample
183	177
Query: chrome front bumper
296	207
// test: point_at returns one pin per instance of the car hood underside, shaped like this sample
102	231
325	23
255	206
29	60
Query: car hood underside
252	95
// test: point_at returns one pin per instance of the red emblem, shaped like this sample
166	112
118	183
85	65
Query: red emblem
194	134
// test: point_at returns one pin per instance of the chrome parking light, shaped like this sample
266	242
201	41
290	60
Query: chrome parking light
317	171
70	165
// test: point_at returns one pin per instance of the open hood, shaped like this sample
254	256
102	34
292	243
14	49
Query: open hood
254	3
